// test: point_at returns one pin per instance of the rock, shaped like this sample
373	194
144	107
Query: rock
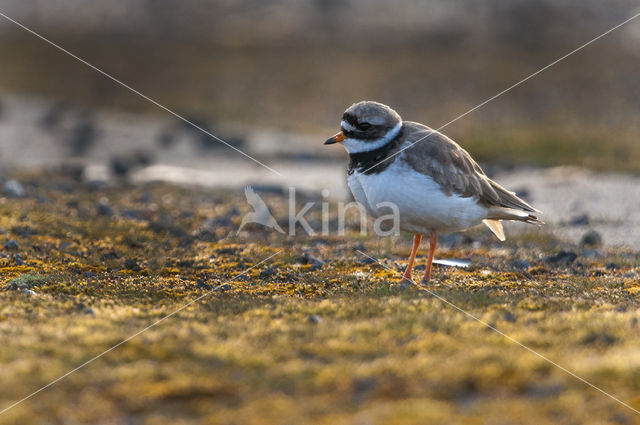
315	262
143	158
580	220
509	317
82	136
29	292
314	319
611	266
599	338
89	311
520	265
591	239
223	288
119	166
268	272
104	209
563	258
11	245
89	275
203	285
131	264
18	260
13	189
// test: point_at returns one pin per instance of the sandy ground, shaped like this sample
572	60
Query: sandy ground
38	133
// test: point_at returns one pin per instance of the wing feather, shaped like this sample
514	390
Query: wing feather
453	168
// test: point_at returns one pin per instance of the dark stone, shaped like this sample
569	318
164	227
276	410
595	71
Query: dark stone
105	210
509	317
131	264
223	288
599	338
268	272
563	258
111	255
18	260
82	136
11	245
23	231
520	265
132	214
314	319
591	239
143	158
89	275
203	285
307	258
119	166
598	273
581	220
612	266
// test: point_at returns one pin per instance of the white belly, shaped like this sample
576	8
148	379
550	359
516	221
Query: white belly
423	206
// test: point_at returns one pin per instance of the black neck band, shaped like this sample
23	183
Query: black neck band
377	160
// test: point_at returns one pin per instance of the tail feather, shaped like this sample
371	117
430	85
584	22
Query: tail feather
500	213
496	227
508	199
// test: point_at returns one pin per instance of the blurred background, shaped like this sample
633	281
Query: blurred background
273	78
237	67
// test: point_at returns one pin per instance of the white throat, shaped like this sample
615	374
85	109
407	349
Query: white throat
359	146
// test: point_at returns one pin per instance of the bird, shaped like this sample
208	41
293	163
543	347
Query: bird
260	213
435	184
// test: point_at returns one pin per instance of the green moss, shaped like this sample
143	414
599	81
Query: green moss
288	343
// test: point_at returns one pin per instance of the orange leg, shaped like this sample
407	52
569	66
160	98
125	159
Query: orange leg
416	244
433	241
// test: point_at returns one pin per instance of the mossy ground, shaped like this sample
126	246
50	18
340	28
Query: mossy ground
291	341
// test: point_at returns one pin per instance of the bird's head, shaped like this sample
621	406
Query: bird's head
367	126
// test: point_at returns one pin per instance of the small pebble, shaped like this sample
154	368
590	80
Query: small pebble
11	245
581	220
13	189
520	265
509	317
591	239
104	209
222	288
562	258
314	319
612	266
131	264
203	285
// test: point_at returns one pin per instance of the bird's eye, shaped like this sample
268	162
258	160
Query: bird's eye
364	126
